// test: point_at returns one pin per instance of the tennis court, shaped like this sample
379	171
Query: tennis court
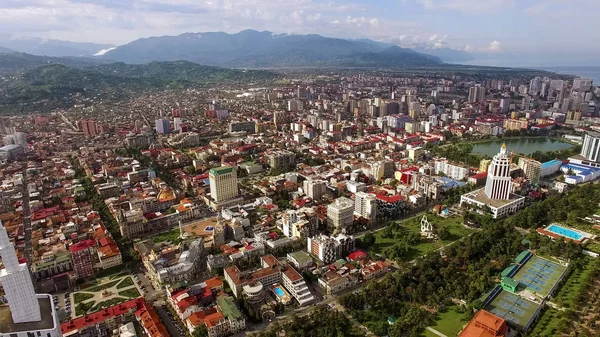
517	311
540	275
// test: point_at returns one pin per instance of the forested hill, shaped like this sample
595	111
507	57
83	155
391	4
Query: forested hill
55	85
184	70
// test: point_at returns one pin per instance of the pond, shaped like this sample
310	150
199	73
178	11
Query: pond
524	146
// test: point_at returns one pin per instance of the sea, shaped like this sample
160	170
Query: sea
592	72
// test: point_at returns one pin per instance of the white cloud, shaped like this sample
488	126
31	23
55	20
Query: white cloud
472	6
314	17
494	46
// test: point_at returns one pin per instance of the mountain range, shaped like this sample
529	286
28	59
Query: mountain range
248	48
4	50
254	49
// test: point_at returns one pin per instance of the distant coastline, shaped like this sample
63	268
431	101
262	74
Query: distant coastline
592	72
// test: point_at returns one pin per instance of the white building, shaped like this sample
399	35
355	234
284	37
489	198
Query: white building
295	284
340	213
365	205
498	182
591	146
496	194
223	183
451	170
27	313
355	186
314	189
476	94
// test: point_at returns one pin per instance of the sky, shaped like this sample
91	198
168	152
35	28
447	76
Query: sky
496	32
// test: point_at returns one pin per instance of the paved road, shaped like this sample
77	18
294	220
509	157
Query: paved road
173	326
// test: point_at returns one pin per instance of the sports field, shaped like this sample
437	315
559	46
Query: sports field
517	311
539	275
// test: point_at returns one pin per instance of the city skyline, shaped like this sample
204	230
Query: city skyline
519	36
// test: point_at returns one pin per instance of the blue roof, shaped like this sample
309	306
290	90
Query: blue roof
450	183
581	170
551	163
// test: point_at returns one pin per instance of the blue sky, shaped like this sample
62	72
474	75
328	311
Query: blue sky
515	32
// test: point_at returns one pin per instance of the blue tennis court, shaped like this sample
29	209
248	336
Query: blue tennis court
517	311
539	275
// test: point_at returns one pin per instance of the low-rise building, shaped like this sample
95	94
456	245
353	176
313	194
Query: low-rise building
300	260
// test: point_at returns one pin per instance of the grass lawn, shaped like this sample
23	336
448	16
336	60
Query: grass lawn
449	322
112	272
101	287
453	224
80	297
82	308
428	333
130	293
108	303
171	236
127	282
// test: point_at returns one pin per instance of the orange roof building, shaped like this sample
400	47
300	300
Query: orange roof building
150	321
485	324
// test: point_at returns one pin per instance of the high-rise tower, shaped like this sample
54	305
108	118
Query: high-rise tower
16	281
497	185
27	313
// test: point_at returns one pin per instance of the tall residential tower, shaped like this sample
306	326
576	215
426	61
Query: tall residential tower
27	313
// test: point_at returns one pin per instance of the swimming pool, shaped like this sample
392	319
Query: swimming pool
566	232
279	292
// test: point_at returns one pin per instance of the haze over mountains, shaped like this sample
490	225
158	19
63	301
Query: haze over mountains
50	47
248	48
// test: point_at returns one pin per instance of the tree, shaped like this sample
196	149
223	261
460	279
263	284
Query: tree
444	233
369	239
189	169
200	331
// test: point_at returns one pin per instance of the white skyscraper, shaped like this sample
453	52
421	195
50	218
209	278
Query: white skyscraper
17	284
497	185
476	94
496	193
591	146
27	314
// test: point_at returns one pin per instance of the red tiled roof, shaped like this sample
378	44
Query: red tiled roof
390	199
102	315
82	245
150	321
